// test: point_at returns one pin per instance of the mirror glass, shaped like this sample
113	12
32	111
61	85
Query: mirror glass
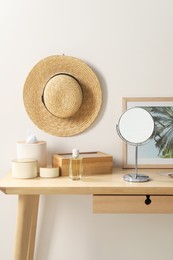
136	125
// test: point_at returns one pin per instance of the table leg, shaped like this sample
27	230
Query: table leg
26	227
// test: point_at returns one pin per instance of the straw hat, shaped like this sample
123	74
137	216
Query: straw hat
62	95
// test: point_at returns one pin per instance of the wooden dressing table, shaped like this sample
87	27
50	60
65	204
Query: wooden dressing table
110	195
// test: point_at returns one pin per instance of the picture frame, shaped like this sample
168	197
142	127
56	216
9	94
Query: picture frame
158	151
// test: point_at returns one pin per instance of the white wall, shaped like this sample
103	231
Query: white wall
129	43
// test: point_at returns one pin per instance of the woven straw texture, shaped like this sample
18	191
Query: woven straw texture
62	115
62	96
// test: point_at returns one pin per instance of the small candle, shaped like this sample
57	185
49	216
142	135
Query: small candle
49	172
24	168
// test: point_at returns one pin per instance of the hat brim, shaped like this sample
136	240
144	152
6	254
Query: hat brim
34	87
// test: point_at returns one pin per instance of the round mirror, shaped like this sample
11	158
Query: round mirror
135	127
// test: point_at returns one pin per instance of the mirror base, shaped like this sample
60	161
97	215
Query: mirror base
136	177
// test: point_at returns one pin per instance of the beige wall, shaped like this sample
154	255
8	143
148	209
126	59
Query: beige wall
129	43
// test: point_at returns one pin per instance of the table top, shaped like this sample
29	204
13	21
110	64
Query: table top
160	183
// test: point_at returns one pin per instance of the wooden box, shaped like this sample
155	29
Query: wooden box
93	163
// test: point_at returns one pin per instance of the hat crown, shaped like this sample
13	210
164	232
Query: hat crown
62	95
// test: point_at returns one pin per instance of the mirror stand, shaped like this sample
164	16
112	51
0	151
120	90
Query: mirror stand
135	177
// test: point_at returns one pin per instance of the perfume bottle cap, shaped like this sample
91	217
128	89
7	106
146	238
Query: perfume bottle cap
75	153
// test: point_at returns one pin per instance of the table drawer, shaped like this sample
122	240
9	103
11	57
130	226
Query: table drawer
134	204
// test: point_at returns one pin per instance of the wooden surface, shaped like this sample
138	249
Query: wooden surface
93	162
111	194
26	227
132	204
160	183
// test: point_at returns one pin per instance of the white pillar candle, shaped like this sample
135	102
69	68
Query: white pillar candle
36	151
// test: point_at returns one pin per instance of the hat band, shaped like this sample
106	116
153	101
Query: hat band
62	95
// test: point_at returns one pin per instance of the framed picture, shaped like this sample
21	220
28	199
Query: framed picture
158	151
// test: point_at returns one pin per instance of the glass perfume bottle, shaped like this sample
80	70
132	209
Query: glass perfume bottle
76	165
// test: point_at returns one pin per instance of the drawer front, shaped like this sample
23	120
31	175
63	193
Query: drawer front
133	204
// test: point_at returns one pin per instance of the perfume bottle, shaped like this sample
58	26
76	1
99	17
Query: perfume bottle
76	165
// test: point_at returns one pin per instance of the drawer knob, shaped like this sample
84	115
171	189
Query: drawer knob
148	200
